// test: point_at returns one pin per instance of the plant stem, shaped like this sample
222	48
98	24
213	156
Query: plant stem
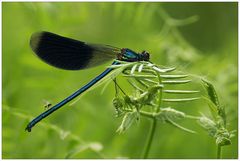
219	152
154	122
150	138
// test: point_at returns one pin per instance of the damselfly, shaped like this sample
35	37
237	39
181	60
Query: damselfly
70	54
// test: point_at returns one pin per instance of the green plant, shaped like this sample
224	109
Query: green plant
216	125
149	83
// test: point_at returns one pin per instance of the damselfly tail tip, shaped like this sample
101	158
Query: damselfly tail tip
28	128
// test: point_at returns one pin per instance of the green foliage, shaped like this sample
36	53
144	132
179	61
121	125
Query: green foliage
127	121
169	114
217	127
214	104
189	36
209	125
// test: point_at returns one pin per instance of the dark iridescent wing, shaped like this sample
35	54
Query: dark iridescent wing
70	54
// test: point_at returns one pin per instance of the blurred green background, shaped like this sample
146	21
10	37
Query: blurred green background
198	38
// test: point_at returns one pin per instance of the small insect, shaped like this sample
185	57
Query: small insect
70	54
47	104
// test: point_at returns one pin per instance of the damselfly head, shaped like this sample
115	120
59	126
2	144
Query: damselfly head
145	56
